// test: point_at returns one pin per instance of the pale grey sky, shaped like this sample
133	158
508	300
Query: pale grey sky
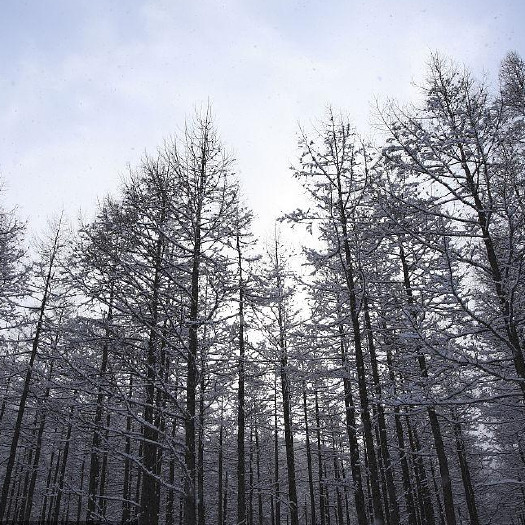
87	86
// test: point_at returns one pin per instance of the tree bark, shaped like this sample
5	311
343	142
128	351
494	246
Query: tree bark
27	380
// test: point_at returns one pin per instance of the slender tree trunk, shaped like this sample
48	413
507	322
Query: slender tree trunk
405	469
241	461
38	447
309	459
320	462
220	467
446	482
276	462
351	431
126	484
80	494
259	480
190	517
22	501
138	484
225	511
48	485
16	487
337	476
424	496
392	509
170	493
436	492
104	468
60	485
54	495
27	380
94	468
326	491
359	359
288	440
200	448
465	471
150	495
251	478
345	486
4	402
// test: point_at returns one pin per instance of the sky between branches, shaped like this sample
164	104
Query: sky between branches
87	86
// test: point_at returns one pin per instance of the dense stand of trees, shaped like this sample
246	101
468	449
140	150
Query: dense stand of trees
159	366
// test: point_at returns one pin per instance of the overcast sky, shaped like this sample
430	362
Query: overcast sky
87	86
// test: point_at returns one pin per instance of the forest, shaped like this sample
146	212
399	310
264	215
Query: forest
162	366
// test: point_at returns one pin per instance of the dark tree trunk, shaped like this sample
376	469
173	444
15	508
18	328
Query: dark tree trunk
170	493
392	508
465	471
220	512
38	448
277	493
241	461
446	483
259	480
337	476
225	508
94	467
309	459
289	446
104	468
251	478
4	402
150	495
320	462
27	381
60	485
190	517
126	484
48	486
359	359
79	505
200	448
405	469
351	431
423	490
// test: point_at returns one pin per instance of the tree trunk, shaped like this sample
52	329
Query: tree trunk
359	360
277	493
320	462
38	449
94	467
241	462
405	470
392	509
423	490
27	380
446	483
351	431
220	467
200	448
309	459
60	485
150	495
190	517
259	481
465	471
126	484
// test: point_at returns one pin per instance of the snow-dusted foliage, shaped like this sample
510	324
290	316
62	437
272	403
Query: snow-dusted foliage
161	366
